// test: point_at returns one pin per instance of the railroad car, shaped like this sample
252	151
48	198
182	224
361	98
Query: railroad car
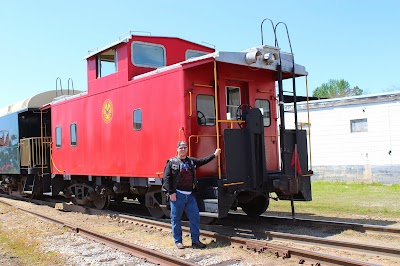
145	93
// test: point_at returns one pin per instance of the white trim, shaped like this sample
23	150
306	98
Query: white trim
92	53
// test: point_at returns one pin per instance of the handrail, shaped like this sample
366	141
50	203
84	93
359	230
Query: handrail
179	133
33	152
309	128
41	138
231	121
190	104
58	79
202	85
216	115
72	85
52	162
197	140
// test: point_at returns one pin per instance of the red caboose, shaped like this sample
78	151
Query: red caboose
144	94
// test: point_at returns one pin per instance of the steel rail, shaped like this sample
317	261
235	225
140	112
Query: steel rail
258	245
289	220
388	251
149	255
354	226
284	236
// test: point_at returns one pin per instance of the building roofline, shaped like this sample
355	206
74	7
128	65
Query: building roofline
352	100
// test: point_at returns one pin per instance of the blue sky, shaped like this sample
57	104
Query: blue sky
356	40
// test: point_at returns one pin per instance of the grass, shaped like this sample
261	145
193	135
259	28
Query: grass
25	249
341	198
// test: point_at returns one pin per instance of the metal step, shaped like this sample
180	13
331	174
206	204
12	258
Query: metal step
212	201
209	214
211	205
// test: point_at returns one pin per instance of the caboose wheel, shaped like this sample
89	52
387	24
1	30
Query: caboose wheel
207	220
156	211
255	207
153	200
141	199
102	202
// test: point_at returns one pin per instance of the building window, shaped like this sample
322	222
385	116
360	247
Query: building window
137	119
73	134
107	63
194	53
359	125
58	137
205	110
232	102
264	105
148	55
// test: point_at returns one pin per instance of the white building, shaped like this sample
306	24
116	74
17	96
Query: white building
353	138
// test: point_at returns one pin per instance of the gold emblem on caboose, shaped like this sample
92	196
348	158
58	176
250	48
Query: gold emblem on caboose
107	111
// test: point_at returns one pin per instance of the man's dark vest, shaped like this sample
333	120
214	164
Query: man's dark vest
176	166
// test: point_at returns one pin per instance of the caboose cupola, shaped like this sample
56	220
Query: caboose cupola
116	64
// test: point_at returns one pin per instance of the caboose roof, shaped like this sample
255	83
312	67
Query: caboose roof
238	58
34	102
125	40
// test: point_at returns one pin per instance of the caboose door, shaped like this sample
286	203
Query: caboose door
202	141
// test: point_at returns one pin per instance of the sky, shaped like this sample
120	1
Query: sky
356	40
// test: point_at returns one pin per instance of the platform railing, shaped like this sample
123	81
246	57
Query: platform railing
35	152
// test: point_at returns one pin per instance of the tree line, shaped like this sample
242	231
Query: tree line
335	88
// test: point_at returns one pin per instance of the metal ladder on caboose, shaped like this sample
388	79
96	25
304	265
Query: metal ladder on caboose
290	150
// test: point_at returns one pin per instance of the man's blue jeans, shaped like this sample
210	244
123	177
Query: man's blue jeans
188	204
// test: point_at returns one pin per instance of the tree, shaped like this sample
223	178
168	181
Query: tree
336	88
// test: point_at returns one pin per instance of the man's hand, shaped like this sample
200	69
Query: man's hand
172	197
217	152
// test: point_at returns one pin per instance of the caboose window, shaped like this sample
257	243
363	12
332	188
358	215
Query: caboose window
73	136
194	53
107	63
263	105
205	110
232	102
137	119
58	137
148	55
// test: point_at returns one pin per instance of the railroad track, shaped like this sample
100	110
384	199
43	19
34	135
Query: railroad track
303	256
149	255
307	222
265	218
262	245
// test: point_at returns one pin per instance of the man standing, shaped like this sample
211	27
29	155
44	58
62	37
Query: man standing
180	182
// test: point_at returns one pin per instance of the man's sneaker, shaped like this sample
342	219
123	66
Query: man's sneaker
198	245
179	246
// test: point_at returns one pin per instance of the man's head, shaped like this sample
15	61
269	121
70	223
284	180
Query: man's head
182	149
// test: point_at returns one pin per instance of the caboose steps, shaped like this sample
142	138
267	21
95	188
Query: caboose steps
211	205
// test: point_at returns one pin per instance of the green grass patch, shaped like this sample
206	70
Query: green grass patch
23	248
335	198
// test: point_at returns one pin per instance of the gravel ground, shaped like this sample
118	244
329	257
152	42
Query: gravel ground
76	250
80	251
